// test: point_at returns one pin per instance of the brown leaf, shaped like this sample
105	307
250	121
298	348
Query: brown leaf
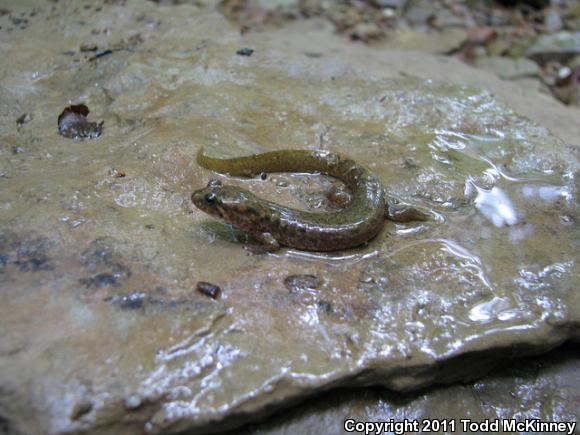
72	123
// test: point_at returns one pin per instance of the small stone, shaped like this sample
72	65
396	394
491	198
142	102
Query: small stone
276	4
445	41
417	15
508	68
78	222
446	18
133	401
556	46
393	4
245	51
389	13
208	289
564	72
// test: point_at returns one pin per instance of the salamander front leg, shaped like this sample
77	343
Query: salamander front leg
267	243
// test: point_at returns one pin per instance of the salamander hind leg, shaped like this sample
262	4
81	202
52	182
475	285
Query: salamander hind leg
404	213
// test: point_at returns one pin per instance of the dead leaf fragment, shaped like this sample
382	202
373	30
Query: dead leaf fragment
72	123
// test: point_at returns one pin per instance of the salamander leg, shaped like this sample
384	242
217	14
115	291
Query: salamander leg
269	241
404	213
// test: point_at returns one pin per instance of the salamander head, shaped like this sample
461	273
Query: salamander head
225	202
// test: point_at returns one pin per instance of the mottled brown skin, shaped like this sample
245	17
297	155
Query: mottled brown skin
274	224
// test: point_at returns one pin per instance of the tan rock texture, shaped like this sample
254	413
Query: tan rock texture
101	249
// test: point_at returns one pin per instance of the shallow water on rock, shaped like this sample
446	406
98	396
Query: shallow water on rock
103	326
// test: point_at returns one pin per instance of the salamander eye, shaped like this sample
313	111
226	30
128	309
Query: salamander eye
211	198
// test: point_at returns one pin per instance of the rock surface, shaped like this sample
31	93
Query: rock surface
543	388
508	68
441	42
556	46
103	328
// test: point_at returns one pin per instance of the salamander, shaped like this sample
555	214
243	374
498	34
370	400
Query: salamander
275	225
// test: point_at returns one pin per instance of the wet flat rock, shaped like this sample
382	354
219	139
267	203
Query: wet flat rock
507	398
103	328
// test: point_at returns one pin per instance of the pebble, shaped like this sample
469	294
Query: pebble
245	51
556	46
133	401
208	289
393	4
507	67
